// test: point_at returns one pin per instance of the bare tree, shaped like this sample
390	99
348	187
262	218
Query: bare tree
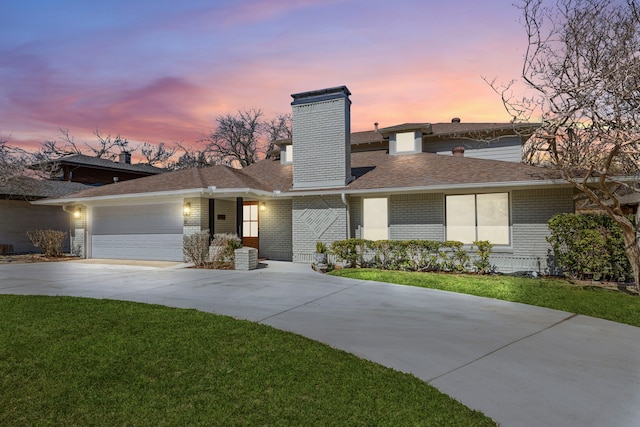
158	155
13	162
191	157
236	140
109	147
277	129
582	73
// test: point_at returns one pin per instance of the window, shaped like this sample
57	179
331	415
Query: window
375	223
287	152
478	217
250	220
405	142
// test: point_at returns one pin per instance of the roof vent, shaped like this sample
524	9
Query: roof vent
455	120
458	151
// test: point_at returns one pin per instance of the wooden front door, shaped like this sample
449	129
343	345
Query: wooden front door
250	224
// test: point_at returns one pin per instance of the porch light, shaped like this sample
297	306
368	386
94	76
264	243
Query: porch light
186	209
263	206
77	213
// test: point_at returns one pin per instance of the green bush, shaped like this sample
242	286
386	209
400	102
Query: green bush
408	255
483	250
589	245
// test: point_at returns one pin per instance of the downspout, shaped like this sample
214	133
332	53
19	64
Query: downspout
344	200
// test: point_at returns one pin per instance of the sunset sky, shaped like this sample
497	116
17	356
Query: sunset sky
162	70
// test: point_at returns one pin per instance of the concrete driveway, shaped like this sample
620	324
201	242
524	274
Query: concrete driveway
520	365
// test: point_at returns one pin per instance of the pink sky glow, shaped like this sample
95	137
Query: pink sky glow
156	71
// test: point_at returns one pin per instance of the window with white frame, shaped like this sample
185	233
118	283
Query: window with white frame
473	217
375	219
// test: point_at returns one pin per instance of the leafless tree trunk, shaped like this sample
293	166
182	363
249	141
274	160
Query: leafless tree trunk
581	75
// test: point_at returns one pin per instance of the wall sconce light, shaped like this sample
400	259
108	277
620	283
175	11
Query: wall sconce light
77	213
263	206
186	209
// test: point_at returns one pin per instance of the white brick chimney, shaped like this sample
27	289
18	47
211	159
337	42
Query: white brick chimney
321	138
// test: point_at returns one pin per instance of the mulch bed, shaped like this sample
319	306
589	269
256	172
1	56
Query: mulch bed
31	258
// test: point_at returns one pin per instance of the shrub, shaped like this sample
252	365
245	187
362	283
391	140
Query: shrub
408	255
196	248
350	250
589	245
223	246
50	241
483	251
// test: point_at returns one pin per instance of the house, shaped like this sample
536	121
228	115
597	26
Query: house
97	171
411	181
18	215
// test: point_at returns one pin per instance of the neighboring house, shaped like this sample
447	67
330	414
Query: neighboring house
329	184
18	215
96	171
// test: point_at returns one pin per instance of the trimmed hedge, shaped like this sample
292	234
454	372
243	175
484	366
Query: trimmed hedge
412	255
589	246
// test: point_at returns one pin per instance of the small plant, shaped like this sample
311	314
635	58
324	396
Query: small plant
483	251
321	247
50	241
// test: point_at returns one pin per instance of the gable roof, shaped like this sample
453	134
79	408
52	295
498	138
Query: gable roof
95	162
374	171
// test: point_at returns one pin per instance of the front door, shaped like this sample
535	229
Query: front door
250	224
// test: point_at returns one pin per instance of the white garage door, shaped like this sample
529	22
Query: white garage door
146	232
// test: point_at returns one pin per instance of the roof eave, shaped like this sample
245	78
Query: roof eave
191	192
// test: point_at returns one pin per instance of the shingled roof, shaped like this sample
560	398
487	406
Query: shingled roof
31	188
373	171
82	160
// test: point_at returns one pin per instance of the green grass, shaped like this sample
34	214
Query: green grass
544	292
74	361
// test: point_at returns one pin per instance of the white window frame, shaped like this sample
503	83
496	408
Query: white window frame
476	227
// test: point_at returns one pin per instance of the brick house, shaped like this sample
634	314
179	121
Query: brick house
412	181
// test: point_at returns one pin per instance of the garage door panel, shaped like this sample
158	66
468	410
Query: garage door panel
162	247
163	218
143	232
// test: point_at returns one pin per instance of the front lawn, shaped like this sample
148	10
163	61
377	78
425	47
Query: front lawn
544	292
74	361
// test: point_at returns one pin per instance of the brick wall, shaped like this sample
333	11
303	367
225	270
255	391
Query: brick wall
321	140
321	218
198	219
531	210
275	231
228	209
416	216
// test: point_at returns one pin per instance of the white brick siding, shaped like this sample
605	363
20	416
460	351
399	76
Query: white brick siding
275	231
416	216
321	140
228	209
308	210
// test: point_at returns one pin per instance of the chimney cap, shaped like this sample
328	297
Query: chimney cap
455	120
